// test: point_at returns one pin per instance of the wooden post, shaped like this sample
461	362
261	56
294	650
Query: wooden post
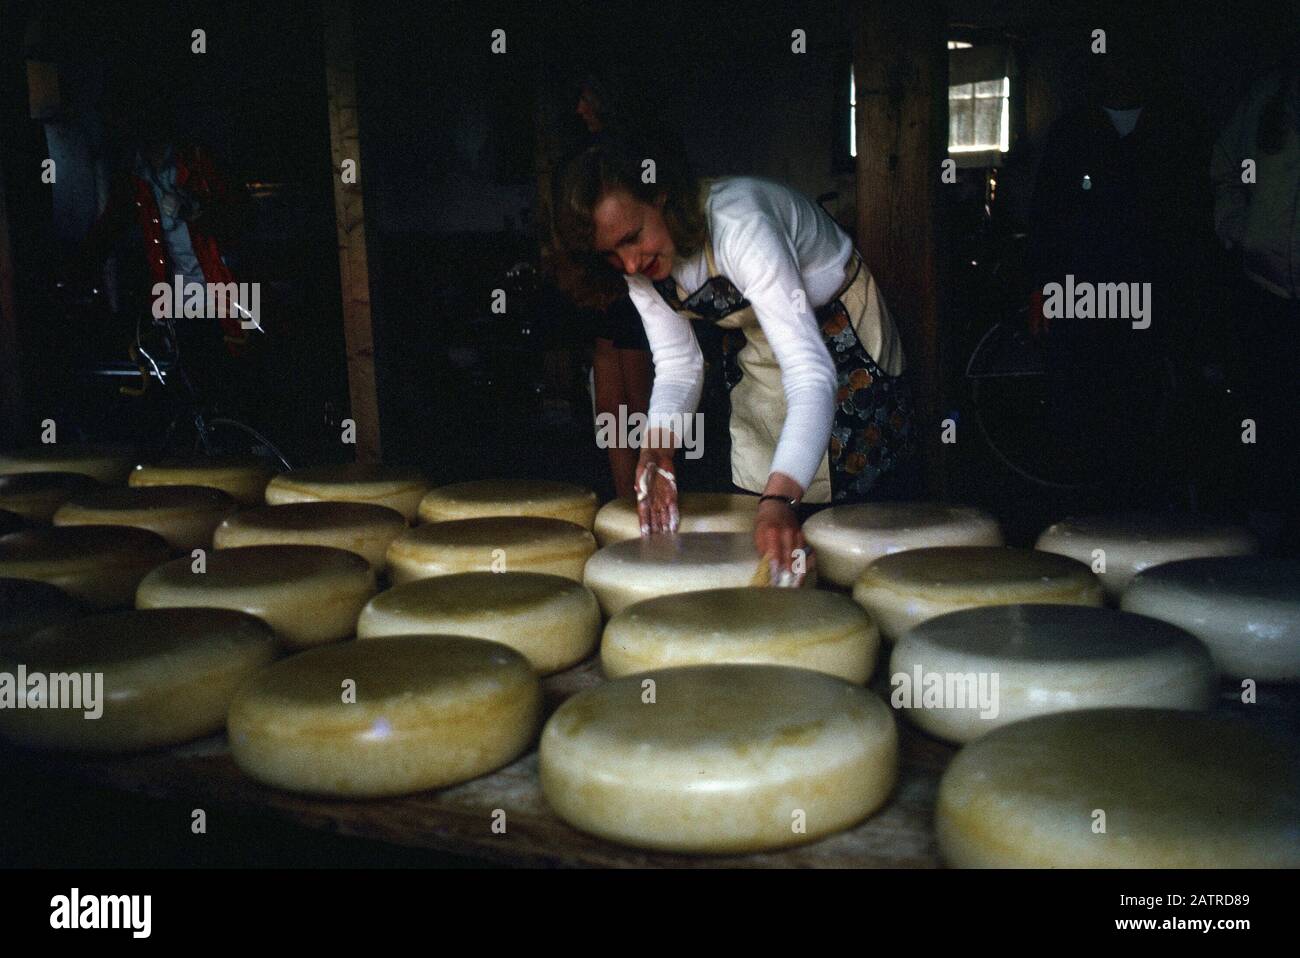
901	76
10	373
354	272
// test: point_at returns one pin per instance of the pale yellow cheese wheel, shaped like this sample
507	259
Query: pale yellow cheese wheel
99	566
515	497
36	496
495	544
1133	541
554	621
803	628
168	677
1178	790
393	486
617	521
183	515
27	605
727	758
907	588
106	463
963	674
365	529
428	712
244	480
638	569
1246	609
849	538
308	594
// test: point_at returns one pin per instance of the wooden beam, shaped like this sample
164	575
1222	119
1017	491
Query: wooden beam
11	414
900	65
349	212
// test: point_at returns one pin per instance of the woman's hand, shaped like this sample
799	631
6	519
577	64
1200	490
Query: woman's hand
778	534
656	491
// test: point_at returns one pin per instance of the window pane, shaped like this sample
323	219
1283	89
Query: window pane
961	91
989	88
988	122
961	126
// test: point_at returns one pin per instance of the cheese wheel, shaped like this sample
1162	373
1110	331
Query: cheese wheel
168	676
1178	790
244	480
1246	609
496	544
1133	541
392	486
960	675
308	594
803	628
428	711
554	621
97	565
617	521
907	588
638	569
492	497
365	529
106	463
849	538
726	758
36	496
27	605
10	522
183	515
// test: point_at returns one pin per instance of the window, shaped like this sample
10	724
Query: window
979	116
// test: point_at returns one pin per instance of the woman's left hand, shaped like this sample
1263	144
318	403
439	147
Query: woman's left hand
780	540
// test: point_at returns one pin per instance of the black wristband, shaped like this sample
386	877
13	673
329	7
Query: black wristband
786	499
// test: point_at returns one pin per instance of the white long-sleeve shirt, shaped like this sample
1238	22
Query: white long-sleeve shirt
779	249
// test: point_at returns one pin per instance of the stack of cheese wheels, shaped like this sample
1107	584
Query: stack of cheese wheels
907	588
554	621
490	497
1246	609
183	515
27	605
849	538
617	521
386	717
96	565
109	464
10	522
804	628
719	758
308	594
168	676
367	530
497	544
1177	789
36	496
244	480
397	488
965	673
1129	542
639	569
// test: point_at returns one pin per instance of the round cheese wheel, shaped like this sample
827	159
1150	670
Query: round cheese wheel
10	522
617	521
804	628
183	515
960	675
365	529
36	496
308	594
244	480
849	538
168	676
97	565
392	486
554	621
492	497
719	758
1178	790
424	712
907	588
105	463
1246	609
638	569
27	605
496	544
1133	541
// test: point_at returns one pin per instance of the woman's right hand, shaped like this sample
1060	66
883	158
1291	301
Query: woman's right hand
656	491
